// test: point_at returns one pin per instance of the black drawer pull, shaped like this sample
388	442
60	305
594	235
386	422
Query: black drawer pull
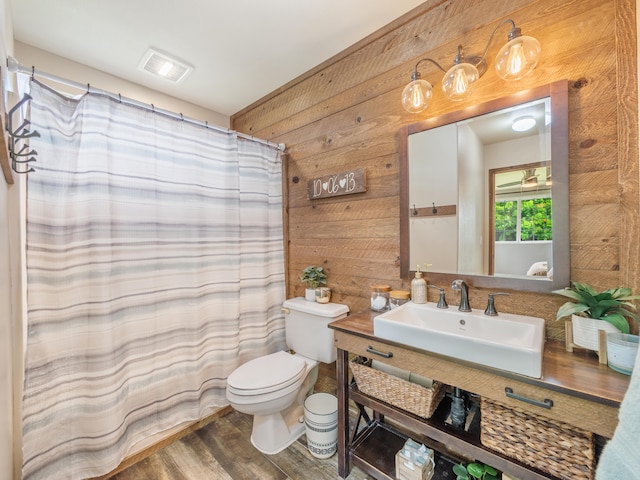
370	349
546	403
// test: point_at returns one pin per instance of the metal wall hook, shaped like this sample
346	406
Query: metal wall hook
16	135
15	108
16	163
25	154
25	133
28	160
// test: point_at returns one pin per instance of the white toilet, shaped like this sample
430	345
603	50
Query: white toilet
273	388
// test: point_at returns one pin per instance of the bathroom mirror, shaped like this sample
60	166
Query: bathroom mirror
486	199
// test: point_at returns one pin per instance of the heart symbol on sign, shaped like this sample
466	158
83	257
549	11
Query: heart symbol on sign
343	182
325	185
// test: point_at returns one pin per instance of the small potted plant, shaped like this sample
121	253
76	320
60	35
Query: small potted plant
475	470
591	311
313	277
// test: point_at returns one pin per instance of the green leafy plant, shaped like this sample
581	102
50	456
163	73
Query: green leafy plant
613	305
313	277
476	470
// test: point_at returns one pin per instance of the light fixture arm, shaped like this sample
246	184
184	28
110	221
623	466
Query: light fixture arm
416	74
513	33
460	56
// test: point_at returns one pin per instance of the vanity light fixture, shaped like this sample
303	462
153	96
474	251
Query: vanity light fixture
522	124
516	58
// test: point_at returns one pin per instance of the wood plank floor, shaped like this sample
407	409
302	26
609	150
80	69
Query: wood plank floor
222	450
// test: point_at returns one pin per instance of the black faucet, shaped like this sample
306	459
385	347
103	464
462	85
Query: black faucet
442	301
464	295
491	308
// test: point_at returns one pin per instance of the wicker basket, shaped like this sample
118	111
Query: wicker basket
408	396
551	446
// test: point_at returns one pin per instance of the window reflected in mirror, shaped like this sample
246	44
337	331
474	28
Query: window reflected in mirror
522	220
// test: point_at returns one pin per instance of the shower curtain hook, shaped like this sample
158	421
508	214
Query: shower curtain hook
88	88
153	108
120	98
181	117
33	72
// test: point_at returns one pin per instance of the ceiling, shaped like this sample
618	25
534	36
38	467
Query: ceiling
241	50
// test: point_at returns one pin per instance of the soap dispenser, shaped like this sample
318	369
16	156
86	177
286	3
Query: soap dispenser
418	288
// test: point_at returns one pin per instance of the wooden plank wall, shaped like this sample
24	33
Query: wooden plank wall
346	113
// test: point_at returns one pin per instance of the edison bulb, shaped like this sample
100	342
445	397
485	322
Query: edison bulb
457	82
416	96
517	58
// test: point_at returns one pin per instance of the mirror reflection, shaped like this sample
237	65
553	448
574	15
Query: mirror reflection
485	193
521	218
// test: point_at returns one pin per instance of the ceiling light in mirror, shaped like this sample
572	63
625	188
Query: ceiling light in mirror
522	124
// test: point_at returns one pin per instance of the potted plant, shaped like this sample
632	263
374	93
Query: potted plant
592	311
475	470
313	277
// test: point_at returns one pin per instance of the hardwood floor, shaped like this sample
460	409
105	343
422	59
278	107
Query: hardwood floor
222	450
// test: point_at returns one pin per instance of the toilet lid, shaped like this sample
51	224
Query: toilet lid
267	374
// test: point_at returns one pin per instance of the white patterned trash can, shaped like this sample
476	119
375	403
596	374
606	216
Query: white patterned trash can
321	421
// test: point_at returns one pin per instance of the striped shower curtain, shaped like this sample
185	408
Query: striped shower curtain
154	268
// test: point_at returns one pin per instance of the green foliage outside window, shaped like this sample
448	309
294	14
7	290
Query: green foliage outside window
535	220
506	221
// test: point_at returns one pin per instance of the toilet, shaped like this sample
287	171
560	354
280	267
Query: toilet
273	387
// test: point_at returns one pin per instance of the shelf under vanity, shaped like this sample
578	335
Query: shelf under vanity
583	394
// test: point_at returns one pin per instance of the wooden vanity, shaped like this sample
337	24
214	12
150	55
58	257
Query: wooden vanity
582	393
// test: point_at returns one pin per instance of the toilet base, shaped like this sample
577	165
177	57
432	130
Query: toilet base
273	433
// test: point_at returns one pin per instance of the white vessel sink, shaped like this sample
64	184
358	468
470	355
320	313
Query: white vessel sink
509	342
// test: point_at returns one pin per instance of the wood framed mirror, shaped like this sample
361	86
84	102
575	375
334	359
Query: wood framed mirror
481	202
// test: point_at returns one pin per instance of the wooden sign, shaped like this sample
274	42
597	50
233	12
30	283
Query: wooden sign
337	184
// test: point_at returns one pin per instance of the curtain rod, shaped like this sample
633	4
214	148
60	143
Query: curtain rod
14	66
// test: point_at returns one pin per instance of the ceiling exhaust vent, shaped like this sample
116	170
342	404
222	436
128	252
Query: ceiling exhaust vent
165	66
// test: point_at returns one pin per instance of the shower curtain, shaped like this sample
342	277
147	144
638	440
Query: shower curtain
155	267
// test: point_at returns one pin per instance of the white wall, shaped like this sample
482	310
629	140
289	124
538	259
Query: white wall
6	299
471	195
433	239
516	258
65	68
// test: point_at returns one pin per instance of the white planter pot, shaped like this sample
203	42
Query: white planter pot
310	294
585	331
622	350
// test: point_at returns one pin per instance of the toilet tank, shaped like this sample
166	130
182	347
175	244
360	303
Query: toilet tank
306	327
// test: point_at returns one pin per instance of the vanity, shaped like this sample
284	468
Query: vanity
574	389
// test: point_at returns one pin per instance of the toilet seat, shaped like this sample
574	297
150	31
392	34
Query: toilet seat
267	374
